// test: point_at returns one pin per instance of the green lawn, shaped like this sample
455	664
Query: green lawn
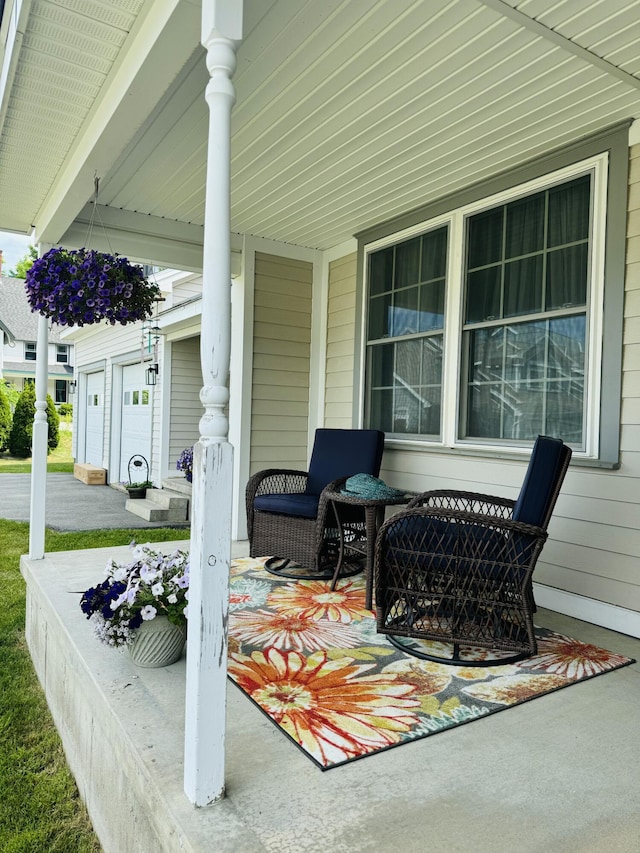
59	461
40	809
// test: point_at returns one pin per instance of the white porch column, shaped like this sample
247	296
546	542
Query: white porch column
213	455
39	443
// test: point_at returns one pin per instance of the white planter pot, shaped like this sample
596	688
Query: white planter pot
158	642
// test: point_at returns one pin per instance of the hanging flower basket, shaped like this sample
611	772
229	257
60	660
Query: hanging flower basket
81	287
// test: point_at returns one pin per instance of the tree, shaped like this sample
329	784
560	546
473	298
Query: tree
25	263
5	419
21	435
53	424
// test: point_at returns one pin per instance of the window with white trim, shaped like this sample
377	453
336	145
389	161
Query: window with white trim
483	326
30	351
62	353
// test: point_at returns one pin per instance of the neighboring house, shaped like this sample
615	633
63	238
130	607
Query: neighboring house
435	211
19	348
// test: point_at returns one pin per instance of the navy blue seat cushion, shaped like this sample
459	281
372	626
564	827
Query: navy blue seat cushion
299	504
342	453
545	466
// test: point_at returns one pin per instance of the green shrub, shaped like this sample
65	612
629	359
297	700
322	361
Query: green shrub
5	419
65	409
21	435
53	423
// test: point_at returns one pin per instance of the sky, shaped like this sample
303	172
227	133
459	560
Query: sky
14	247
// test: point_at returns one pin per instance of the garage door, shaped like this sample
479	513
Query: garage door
136	418
94	433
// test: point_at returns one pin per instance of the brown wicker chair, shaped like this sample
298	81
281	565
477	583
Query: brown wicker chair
289	517
456	567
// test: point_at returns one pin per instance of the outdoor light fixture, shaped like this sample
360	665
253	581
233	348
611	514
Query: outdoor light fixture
152	374
72	386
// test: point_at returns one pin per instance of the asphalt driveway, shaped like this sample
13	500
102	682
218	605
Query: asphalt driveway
70	504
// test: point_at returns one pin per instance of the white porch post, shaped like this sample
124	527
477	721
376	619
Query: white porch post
213	455
39	444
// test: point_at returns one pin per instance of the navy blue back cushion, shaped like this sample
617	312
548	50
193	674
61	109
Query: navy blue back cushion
342	453
546	465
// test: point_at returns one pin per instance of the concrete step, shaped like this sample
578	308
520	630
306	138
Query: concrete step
150	510
177	484
167	500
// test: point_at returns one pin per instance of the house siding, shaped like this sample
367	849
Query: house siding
186	408
341	318
281	362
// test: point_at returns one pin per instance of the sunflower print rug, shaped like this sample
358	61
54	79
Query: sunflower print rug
312	661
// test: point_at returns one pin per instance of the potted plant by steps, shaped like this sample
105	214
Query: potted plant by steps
142	605
138	490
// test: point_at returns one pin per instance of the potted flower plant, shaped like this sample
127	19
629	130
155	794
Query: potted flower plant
80	287
185	463
142	604
138	490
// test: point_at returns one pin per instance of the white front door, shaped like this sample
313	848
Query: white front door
94	433
135	436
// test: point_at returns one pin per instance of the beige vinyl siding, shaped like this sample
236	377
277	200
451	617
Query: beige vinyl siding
281	362
594	544
338	412
186	408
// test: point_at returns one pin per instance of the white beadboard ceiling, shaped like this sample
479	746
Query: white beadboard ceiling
348	112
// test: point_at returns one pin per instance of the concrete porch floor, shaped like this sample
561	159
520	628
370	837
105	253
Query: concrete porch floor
560	773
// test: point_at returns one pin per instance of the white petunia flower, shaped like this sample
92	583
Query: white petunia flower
173	598
148	612
157	589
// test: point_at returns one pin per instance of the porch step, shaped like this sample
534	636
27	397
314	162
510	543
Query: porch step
160	505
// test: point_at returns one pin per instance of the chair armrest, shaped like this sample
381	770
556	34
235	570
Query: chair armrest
421	535
467	502
272	481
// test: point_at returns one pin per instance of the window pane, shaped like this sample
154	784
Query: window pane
431	306
417	384
405	312
135	398
485	238
569	212
523	286
380	271
567	277
525	226
407	263
382	366
434	254
381	414
379	316
526	379
483	295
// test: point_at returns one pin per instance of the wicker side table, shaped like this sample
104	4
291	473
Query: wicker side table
357	540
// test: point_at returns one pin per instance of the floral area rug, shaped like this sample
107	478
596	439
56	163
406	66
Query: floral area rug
312	661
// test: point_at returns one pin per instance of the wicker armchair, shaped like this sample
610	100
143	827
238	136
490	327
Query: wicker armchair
456	567
289	517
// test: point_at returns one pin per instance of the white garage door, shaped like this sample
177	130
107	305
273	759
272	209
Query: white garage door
94	433
136	419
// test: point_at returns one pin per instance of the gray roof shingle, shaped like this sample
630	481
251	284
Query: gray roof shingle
16	314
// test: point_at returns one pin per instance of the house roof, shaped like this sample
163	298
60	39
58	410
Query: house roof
347	114
16	313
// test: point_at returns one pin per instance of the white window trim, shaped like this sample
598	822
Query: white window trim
598	166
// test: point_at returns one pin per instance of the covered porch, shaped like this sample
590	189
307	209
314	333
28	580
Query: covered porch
556	773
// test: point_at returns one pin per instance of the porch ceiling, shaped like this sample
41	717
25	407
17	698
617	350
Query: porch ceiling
348	113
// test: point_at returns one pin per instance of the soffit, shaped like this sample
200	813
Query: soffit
347	113
69	48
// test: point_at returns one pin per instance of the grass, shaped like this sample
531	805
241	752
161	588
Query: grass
40	808
59	461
